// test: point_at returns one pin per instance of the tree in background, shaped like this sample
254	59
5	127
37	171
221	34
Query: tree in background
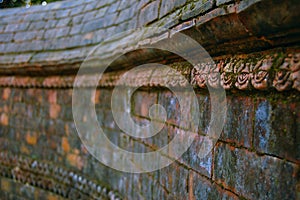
19	3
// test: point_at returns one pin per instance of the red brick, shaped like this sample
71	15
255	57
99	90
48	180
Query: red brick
31	138
52	96
4	119
76	160
65	144
142	101
54	111
6	93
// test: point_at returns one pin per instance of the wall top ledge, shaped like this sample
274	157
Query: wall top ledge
56	38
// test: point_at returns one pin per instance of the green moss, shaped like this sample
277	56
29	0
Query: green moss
192	6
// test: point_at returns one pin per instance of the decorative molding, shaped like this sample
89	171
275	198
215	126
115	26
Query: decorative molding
288	75
230	27
52	178
273	71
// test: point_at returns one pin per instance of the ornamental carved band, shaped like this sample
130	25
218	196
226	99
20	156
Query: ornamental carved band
277	71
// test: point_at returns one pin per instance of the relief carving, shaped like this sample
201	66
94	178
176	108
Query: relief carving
245	74
242	70
260	73
227	77
213	77
271	71
199	75
288	76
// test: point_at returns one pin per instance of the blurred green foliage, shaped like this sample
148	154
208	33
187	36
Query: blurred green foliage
19	3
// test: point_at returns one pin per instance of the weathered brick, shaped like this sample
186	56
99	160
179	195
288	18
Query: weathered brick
6	93
162	138
68	4
101	12
11	47
5	185
277	138
170	103
62	13
169	5
22	36
17	27
54	110
126	15
77	10
254	176
142	102
195	8
63	22
94	25
239	121
6	37
37	25
4	119
204	164
149	13
204	113
203	189
90	6
35	45
75	160
65	144
125	4
113	7
31	138
50	24
33	17
175	179
24	149
57	32
64	97
89	16
220	2
52	96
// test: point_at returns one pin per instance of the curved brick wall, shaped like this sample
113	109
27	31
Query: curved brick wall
64	32
255	47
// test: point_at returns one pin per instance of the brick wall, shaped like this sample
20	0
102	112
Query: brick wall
255	47
255	158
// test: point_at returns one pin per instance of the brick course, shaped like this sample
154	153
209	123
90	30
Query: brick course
234	168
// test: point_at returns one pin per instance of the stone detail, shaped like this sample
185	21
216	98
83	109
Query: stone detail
53	178
288	75
271	71
244	74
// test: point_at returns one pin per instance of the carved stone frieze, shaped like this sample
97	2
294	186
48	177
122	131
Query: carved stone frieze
278	71
288	74
270	71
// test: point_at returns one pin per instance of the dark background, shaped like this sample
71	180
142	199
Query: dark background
19	3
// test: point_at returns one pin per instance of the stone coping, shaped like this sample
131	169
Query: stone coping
56	38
